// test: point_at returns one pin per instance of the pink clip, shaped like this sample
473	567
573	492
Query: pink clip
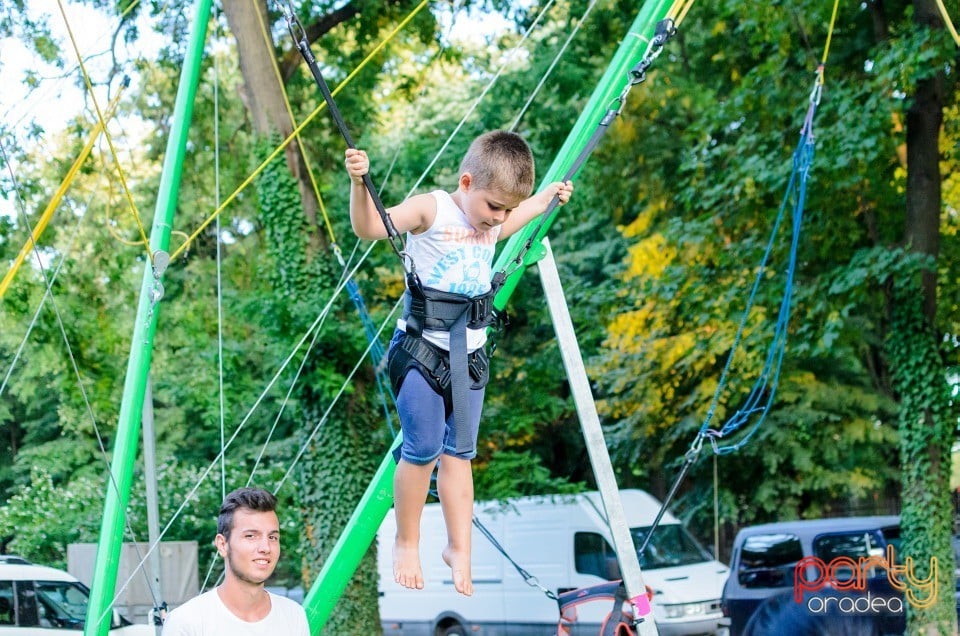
642	603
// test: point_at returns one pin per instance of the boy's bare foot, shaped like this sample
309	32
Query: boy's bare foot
406	566
459	563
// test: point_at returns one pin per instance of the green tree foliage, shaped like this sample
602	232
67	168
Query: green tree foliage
927	429
657	253
719	122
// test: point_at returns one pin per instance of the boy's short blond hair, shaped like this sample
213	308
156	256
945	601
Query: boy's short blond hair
500	160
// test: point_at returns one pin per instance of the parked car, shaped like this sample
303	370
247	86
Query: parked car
35	599
764	562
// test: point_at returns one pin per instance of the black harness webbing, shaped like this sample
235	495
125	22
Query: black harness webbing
426	308
458	384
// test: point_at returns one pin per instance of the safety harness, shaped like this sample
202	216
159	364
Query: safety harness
451	374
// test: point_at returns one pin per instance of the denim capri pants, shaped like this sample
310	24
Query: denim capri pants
427	423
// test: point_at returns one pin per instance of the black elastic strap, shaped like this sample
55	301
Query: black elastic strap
460	384
300	38
665	29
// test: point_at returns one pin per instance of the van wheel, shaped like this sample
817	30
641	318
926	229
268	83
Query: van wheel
456	629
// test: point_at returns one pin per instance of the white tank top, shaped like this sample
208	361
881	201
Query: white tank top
452	256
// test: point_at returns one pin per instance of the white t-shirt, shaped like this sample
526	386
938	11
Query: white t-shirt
206	615
452	256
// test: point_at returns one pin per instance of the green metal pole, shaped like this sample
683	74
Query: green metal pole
361	530
631	51
352	544
99	610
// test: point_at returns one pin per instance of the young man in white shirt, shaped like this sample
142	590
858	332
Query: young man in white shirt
248	539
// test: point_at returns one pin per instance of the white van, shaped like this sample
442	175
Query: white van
564	541
37	601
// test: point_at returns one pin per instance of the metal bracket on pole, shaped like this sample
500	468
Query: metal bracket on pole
596	445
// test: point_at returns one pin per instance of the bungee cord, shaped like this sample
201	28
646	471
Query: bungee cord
378	355
762	394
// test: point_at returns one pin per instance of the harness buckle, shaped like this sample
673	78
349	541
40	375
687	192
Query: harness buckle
479	309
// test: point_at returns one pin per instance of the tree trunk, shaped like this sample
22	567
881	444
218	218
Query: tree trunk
925	427
924	119
263	92
340	463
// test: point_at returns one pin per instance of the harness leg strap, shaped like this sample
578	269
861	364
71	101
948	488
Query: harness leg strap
460	384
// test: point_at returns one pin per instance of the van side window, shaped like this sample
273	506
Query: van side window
593	555
767	560
6	603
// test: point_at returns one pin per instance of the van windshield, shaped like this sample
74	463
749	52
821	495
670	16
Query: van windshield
670	546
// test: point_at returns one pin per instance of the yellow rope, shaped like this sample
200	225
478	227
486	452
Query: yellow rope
54	203
674	10
683	13
293	122
108	214
296	131
948	22
106	133
833	21
818	85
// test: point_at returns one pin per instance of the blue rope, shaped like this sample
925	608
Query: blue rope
377	355
766	384
758	402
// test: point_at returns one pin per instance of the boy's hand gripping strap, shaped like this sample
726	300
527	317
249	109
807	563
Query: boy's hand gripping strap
299	35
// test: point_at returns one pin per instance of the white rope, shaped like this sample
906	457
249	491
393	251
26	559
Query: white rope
219	231
556	59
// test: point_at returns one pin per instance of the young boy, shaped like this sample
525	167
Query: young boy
451	239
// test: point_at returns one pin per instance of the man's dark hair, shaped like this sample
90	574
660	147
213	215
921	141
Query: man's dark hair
255	499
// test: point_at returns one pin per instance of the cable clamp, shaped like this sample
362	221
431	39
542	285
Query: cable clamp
296	28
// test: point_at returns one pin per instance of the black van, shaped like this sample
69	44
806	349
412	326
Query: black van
765	557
